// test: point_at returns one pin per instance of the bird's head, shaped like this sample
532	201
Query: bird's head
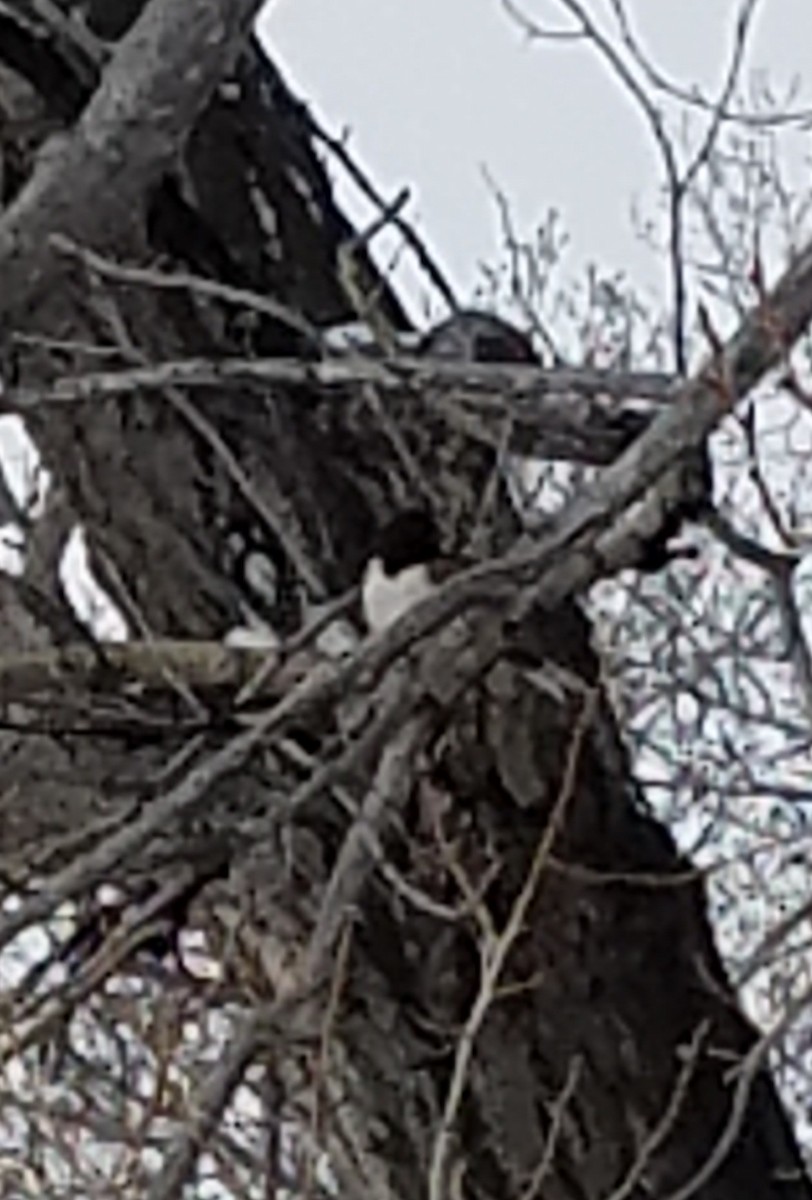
410	538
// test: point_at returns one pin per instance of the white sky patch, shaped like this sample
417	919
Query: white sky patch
429	94
90	602
27	481
12	549
25	477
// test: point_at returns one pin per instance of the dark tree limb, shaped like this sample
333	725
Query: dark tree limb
88	184
574	414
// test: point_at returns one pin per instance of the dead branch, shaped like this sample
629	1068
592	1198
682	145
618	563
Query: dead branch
561	412
173	281
387	795
158	79
146	664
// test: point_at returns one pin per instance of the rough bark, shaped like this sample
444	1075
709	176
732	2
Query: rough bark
602	1061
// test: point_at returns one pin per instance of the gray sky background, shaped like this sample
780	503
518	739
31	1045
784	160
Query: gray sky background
431	91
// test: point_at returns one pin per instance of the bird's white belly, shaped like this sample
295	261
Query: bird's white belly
387	597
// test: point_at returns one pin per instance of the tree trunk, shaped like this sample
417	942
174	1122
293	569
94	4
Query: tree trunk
570	1032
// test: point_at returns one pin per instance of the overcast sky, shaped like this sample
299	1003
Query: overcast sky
432	91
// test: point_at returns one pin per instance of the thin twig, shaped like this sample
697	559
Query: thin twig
557	1115
426	260
654	1139
494	954
184	281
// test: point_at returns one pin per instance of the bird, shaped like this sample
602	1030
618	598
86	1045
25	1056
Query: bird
402	569
471	335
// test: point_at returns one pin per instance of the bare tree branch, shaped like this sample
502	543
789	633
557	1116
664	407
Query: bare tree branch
562	412
158	80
